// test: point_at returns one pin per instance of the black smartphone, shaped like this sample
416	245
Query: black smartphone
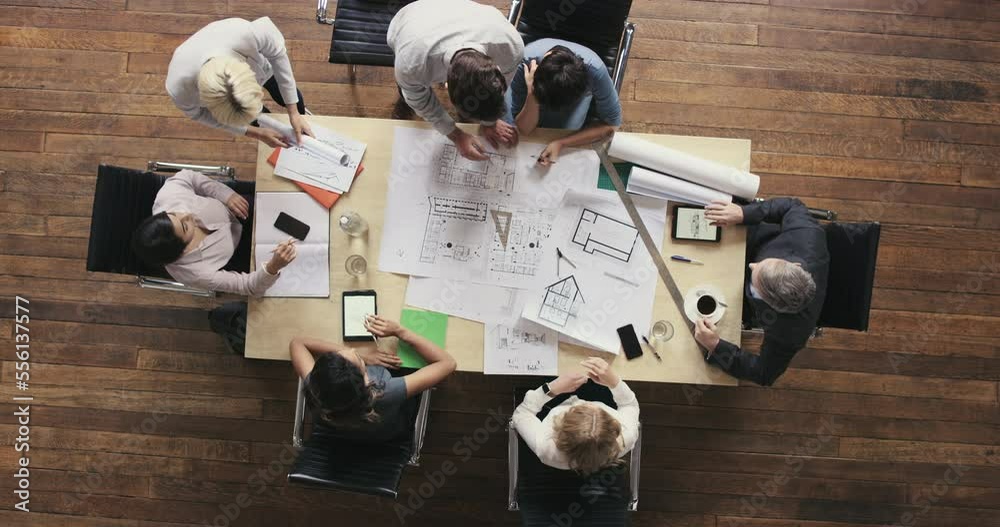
291	226
356	306
630	342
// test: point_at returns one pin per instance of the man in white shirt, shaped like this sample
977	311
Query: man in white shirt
471	46
216	78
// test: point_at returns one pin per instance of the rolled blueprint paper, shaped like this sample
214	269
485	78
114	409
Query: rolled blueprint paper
685	166
656	185
310	144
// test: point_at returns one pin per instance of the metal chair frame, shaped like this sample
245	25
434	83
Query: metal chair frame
513	454
419	428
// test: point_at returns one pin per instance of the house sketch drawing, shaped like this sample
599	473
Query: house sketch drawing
561	302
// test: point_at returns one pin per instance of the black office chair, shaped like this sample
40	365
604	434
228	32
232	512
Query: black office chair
369	468
359	31
853	251
123	198
538	491
601	26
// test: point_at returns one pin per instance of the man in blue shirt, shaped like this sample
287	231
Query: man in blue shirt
556	87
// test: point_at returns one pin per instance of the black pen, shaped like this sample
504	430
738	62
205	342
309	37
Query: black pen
651	348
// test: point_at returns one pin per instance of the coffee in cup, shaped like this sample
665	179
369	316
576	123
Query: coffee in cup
706	305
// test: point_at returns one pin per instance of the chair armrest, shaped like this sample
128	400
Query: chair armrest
515	11
624	49
300	412
321	17
220	172
513	448
420	427
635	461
160	284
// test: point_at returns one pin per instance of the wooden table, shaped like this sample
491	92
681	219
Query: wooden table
272	322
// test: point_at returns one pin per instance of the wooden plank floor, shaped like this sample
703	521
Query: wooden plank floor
882	110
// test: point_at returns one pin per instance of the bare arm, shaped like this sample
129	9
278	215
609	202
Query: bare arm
523	91
303	349
588	135
527	118
440	363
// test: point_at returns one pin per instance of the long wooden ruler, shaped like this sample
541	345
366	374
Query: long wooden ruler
647	239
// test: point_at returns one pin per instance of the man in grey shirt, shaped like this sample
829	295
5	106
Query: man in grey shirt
471	46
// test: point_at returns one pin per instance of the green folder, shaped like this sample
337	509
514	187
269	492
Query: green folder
429	324
604	179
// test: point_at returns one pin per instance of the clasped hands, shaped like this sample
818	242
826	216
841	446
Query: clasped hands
595	369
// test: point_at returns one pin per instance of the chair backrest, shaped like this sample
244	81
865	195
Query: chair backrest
327	459
597	25
359	32
542	491
365	468
853	251
123	198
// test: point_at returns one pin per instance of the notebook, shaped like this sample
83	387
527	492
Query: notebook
309	274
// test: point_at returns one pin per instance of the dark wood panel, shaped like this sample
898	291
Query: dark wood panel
809	60
769	99
935	48
73	60
972	9
898	22
814	81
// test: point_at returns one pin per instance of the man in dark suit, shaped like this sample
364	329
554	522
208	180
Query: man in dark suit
785	287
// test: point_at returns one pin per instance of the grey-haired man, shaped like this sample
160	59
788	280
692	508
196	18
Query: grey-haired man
785	287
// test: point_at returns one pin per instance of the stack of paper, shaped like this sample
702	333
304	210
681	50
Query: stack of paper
309	274
325	197
328	161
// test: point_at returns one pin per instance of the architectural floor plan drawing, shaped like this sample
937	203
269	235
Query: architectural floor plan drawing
520	242
561	301
597	233
495	173
448	234
489	222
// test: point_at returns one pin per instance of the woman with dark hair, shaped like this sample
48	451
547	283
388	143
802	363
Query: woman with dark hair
564	85
352	389
194	231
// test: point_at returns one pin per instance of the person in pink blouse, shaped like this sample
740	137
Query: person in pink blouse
193	232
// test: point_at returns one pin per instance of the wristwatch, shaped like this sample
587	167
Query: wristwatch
545	388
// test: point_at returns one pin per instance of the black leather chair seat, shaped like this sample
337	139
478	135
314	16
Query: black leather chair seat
123	198
329	461
853	251
543	491
359	32
597	25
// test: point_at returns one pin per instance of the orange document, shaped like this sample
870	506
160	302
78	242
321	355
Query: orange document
325	197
